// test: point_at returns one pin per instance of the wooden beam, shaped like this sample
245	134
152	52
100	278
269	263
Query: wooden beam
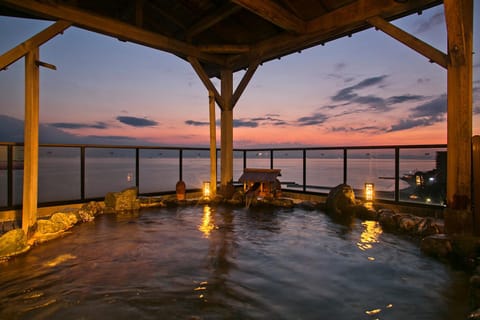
213	143
476	182
244	82
226	120
206	22
329	26
36	41
112	27
224	49
30	149
276	14
459	21
431	53
206	80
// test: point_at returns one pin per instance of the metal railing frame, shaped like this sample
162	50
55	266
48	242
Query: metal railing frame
83	147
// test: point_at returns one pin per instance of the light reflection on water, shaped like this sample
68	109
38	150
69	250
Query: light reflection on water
224	263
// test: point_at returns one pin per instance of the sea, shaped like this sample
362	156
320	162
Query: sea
60	177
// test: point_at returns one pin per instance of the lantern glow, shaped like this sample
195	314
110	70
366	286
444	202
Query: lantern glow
369	191
206	189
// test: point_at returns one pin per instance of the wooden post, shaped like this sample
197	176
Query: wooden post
30	152
476	183
213	144
459	21
226	153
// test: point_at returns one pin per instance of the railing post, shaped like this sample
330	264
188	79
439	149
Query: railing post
304	170
345	165
10	176
180	165
82	173
244	159
271	158
397	174
137	168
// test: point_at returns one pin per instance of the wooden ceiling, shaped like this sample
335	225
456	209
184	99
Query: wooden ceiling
220	34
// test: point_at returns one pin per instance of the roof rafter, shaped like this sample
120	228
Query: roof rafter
416	44
113	28
212	19
343	21
37	40
274	13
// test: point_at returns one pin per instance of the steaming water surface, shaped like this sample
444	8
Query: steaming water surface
229	263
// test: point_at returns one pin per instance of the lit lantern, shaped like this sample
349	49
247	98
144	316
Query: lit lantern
206	189
369	191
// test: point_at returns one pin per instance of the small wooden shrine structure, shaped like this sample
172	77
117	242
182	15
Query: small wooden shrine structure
261	182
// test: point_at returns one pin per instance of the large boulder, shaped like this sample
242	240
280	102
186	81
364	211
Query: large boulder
13	242
341	201
123	201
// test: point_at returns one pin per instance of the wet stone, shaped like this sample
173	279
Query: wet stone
13	242
438	245
122	201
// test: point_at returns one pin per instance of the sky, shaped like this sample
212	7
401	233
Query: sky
367	89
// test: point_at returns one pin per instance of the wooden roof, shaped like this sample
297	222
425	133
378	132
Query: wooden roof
259	175
221	34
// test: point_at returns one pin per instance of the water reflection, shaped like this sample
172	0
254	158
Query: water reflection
370	235
228	263
207	224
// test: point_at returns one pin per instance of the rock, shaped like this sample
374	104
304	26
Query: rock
438	245
408	223
12	243
282	202
341	201
388	219
63	221
47	226
428	226
365	213
121	201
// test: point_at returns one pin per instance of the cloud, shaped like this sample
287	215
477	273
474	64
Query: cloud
424	115
197	123
11	130
404	98
268	119
423	80
348	93
316	118
237	123
430	23
73	125
137	122
359	129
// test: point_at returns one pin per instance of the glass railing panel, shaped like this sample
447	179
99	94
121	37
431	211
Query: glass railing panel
237	165
159	170
108	170
196	168
59	174
3	176
423	175
324	170
17	175
375	166
290	162
258	159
